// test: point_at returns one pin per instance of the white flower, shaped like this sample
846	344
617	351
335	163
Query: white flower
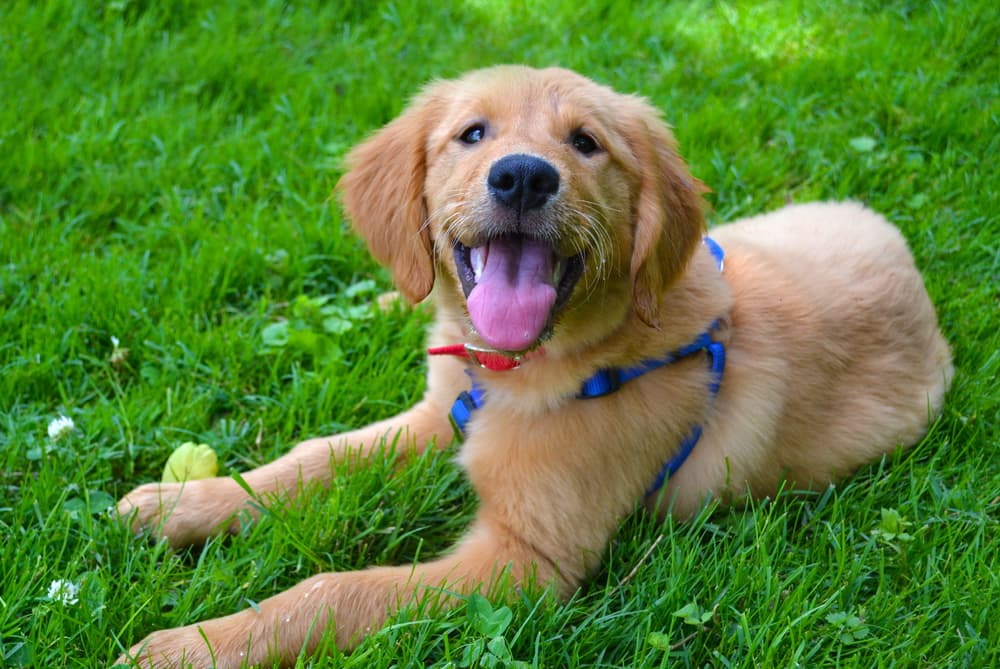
118	354
64	592
60	427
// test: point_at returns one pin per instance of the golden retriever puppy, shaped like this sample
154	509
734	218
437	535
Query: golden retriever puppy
618	356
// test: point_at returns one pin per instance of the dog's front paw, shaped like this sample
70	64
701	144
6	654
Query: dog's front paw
178	648
184	513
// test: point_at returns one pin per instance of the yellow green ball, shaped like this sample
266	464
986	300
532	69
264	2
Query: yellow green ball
189	462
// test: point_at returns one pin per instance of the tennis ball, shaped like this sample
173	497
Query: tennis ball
189	462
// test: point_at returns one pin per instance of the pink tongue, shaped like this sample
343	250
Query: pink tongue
510	304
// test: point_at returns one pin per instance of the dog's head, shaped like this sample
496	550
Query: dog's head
545	201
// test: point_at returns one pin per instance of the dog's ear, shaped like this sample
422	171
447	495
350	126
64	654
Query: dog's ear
669	216
383	195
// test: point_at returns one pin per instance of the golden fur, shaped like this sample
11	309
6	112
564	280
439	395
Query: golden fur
834	355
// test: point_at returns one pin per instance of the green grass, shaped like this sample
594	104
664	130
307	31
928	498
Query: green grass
165	171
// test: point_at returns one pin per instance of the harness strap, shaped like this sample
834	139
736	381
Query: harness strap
717	359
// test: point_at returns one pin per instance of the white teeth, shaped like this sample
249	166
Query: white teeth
558	271
477	257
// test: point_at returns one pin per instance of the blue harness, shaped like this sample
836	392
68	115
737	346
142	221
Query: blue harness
607	381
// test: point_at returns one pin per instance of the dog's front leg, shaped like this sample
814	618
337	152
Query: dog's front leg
190	512
352	603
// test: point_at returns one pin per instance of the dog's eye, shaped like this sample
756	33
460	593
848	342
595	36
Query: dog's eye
583	142
473	134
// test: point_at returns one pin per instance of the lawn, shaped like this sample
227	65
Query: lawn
165	180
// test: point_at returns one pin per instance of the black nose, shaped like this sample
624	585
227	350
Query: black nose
522	182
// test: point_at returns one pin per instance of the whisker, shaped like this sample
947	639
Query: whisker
598	207
596	238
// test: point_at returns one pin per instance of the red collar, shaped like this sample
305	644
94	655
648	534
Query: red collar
495	361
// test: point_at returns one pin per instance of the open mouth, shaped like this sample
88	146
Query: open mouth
514	285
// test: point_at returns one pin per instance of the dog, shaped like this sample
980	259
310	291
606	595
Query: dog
617	355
